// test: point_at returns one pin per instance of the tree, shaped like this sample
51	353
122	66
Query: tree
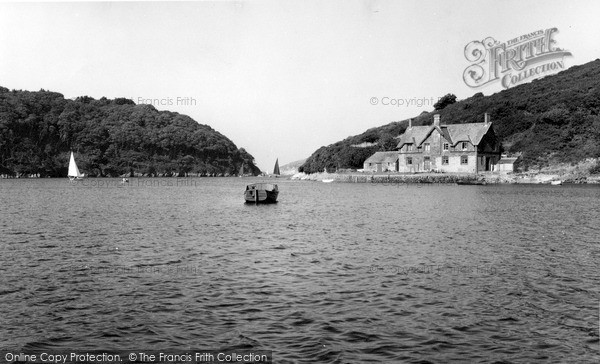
387	143
444	101
110	137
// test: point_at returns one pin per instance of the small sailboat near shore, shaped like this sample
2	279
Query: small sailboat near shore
276	171
73	170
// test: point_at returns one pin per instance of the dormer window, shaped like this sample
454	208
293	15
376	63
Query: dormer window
446	146
427	148
409	147
464	145
419	148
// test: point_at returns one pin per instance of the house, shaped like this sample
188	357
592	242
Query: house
465	148
382	162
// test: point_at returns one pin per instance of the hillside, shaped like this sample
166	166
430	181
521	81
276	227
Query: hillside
550	121
292	167
109	137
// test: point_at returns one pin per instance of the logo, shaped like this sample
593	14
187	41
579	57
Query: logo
516	61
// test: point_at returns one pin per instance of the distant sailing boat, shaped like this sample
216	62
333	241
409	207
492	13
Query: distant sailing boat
276	169
73	170
241	174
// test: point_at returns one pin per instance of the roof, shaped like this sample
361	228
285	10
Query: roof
455	133
507	160
472	132
383	157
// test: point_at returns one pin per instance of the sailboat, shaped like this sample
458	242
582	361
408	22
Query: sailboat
276	168
73	170
241	173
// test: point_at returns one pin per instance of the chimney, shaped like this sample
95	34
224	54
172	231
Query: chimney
409	123
486	118
436	120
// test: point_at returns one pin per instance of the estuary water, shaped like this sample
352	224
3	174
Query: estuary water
332	273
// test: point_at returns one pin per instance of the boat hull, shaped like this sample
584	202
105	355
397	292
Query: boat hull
263	196
261	193
72	178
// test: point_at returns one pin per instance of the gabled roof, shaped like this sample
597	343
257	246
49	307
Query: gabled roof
472	132
455	133
383	157
415	135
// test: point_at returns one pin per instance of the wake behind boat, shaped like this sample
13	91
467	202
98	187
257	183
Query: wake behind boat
261	193
73	170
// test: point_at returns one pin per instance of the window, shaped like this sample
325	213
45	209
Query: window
464	145
445	159
409	147
464	159
408	160
419	148
427	147
446	147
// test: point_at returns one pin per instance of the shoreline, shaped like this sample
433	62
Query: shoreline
415	178
392	178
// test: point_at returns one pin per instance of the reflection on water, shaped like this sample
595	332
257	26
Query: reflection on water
332	273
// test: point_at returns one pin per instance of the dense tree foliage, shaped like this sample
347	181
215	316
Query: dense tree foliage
110	138
555	119
349	153
444	101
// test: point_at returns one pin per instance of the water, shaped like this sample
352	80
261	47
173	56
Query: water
333	273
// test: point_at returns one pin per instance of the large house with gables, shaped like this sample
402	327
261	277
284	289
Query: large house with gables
465	148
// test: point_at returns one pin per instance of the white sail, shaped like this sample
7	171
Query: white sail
73	170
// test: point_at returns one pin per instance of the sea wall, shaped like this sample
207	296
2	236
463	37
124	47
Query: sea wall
390	178
488	178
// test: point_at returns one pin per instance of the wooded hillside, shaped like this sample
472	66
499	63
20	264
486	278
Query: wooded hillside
109	137
550	120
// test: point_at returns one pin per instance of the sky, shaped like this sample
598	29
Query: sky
278	78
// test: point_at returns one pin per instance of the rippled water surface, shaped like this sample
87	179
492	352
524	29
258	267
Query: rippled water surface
332	273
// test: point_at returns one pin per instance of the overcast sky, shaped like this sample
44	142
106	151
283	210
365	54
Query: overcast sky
279	78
